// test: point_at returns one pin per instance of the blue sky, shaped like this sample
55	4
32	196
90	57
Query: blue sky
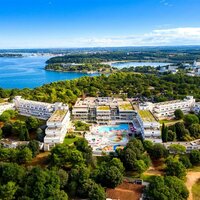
91	23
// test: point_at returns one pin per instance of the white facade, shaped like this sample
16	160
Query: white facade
57	126
6	106
150	128
57	114
37	109
166	109
104	110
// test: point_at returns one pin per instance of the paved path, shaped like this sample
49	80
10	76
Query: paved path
192	178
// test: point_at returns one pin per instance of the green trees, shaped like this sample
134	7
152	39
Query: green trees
7	115
177	149
178	114
158	151
175	168
195	157
33	145
164	133
195	130
133	156
167	188
190	119
32	123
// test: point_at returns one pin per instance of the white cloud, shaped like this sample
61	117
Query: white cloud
174	36
157	37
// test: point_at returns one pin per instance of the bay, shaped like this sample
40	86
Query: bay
28	72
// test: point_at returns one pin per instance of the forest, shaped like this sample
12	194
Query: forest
87	67
142	86
128	55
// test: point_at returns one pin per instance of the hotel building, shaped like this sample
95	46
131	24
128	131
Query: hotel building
56	129
6	106
104	110
150	128
57	116
37	109
166	109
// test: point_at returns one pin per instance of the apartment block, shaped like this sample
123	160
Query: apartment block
104	110
150	127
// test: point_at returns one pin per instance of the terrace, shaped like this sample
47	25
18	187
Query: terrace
103	108
125	107
58	116
146	116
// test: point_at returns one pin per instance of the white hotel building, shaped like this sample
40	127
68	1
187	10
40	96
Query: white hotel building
57	126
57	116
150	127
6	106
104	110
166	109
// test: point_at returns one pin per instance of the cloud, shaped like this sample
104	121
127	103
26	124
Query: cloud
157	37
174	36
165	3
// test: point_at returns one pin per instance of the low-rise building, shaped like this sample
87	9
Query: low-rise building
6	106
150	127
57	126
166	109
40	110
104	110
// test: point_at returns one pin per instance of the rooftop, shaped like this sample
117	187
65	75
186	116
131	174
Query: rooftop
146	116
58	116
126	106
103	108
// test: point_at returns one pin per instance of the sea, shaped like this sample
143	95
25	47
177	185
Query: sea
28	72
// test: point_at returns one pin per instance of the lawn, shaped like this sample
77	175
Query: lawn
196	190
146	116
170	121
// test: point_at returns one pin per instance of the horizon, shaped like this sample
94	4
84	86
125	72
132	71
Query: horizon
98	23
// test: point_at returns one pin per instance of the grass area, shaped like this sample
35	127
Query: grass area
146	116
195	169
170	121
126	106
69	141
147	178
196	190
103	108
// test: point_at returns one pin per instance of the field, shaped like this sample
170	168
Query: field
196	190
69	141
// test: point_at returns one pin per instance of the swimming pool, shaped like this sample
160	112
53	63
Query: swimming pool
113	128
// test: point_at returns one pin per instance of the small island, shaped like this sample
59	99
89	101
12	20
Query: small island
83	68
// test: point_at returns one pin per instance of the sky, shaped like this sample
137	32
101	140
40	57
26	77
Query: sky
98	23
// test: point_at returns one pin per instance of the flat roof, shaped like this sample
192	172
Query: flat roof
103	107
126	106
147	116
58	116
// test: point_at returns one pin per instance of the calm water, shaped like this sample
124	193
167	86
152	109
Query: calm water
136	64
29	72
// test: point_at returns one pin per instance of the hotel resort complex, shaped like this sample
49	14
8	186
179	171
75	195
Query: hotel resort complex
57	116
113	120
103	110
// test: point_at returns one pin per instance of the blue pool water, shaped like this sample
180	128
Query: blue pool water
111	128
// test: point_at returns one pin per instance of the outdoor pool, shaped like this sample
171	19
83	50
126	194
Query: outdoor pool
114	128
